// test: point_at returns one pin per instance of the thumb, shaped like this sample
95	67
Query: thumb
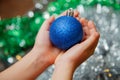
47	23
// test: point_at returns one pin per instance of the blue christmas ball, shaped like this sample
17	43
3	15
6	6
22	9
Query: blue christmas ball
65	32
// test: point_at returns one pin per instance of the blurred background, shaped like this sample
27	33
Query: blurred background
21	19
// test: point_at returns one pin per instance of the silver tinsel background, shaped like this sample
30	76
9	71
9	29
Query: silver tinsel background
105	63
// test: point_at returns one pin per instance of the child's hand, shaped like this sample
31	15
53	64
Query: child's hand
43	42
68	61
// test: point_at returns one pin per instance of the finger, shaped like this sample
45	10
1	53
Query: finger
77	18
92	40
85	29
86	32
84	22
92	27
76	13
47	23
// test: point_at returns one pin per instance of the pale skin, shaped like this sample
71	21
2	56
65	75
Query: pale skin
44	54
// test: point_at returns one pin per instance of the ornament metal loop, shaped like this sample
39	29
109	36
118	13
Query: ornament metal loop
70	12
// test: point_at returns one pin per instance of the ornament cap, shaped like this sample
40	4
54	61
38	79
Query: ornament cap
70	12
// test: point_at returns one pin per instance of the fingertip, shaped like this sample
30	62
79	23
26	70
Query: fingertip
91	25
49	20
63	13
84	22
76	13
47	23
52	18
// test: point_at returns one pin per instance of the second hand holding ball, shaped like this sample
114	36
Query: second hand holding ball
66	31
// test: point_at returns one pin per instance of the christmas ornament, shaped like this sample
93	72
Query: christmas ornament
66	31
